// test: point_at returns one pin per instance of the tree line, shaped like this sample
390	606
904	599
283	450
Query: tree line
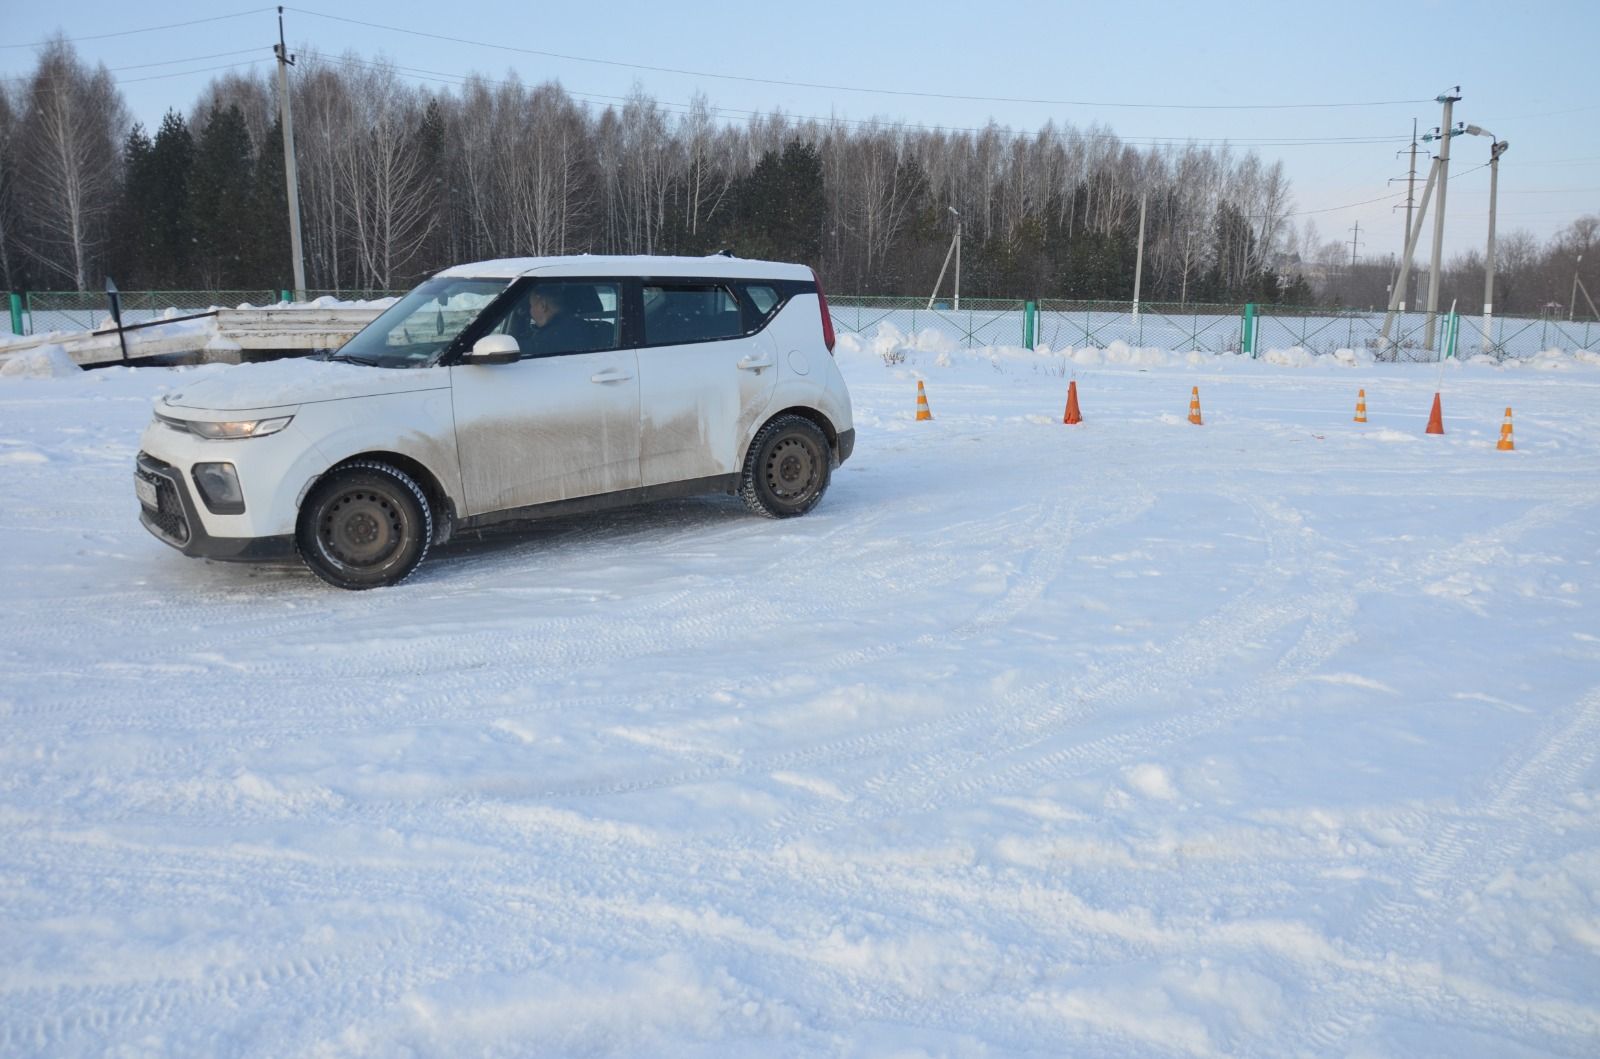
1530	278
397	181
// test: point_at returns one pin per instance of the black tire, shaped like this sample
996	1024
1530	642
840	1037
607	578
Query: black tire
365	524
787	468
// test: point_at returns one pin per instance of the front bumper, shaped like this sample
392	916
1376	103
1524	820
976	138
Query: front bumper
175	521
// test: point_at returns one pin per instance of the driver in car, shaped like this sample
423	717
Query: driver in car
551	329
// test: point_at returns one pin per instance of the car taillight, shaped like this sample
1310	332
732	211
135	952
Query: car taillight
827	320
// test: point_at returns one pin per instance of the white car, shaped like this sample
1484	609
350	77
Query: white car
504	390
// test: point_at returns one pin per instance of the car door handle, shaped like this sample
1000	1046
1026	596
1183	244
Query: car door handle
754	363
611	375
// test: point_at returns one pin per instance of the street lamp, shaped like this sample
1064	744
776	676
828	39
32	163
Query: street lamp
1496	149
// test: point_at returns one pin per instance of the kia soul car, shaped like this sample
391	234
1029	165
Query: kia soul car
505	390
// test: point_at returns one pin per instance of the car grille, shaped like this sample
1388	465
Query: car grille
168	516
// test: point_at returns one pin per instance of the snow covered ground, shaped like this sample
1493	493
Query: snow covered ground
1273	736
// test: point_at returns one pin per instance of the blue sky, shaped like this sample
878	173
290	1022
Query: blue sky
1526	71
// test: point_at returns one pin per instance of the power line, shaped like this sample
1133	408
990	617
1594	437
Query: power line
1348	205
201	70
458	80
176	73
189	59
145	29
1544	191
854	88
145	66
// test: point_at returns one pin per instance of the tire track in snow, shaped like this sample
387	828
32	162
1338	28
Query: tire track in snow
1328	611
856	746
1459	860
962	757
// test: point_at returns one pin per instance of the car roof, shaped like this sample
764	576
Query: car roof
714	266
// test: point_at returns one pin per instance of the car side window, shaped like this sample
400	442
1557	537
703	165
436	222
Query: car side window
555	317
763	297
690	312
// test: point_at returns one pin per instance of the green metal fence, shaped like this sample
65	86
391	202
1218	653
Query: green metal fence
1257	328
979	321
352	295
39	312
1058	324
86	310
1075	324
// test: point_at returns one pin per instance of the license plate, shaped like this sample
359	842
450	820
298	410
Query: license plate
146	492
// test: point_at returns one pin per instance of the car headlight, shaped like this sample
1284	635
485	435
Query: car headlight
243	428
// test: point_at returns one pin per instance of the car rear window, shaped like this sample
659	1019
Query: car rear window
690	312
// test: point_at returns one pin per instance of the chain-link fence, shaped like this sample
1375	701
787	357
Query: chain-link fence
1208	328
995	322
45	311
979	321
1212	328
352	295
1511	336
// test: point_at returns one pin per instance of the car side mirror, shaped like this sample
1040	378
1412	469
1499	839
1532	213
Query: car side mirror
493	349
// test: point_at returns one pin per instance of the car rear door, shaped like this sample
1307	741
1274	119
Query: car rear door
703	378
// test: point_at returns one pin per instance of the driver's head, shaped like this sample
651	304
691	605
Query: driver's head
544	302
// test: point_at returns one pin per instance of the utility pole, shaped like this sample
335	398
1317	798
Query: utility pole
1572	302
958	258
1138	261
1446	132
1496	149
1411	248
955	252
1411	188
1355	240
290	174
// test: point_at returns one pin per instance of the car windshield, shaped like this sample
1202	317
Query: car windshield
413	331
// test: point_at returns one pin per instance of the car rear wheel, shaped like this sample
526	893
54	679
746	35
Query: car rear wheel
787	469
365	524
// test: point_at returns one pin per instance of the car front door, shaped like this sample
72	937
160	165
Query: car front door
563	421
703	379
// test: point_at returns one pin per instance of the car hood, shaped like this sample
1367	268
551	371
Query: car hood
280	383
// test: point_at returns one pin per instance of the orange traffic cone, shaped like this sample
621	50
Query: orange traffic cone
922	403
1073	415
1194	407
1506	444
1361	406
1436	418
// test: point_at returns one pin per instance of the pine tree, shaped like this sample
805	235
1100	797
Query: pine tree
10	260
131	225
433	253
781	207
171	239
220	201
267	262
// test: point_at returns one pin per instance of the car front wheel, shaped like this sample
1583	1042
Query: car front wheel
787	469
365	524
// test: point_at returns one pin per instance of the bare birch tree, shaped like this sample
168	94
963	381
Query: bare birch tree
67	163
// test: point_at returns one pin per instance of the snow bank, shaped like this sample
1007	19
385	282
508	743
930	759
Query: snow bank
46	362
891	343
894	346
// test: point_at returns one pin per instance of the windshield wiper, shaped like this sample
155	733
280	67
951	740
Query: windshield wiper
351	358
